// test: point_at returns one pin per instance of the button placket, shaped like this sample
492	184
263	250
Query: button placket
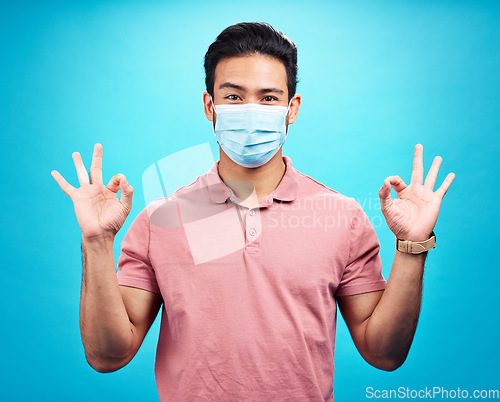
253	228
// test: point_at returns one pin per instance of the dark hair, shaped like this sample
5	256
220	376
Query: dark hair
247	38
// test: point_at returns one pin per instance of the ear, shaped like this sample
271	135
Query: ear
208	106
294	108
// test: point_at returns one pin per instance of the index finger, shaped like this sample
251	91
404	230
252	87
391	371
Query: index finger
67	188
417	174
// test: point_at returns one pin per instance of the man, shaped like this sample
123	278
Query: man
251	259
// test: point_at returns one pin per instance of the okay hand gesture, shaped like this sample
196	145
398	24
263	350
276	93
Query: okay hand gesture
98	210
413	214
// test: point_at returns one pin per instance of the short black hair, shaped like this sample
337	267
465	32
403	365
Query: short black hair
248	38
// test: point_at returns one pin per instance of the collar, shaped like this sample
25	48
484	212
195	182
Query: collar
219	192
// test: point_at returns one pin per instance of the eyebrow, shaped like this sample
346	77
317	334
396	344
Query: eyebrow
243	89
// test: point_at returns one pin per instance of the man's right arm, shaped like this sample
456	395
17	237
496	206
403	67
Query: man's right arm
113	319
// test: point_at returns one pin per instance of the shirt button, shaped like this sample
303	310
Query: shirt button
253	232
252	212
269	202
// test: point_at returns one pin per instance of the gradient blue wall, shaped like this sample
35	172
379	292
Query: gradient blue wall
376	78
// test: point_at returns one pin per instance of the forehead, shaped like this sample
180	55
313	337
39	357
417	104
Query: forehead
255	71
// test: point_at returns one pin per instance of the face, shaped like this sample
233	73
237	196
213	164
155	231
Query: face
251	79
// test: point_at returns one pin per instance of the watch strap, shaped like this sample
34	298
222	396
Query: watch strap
416	247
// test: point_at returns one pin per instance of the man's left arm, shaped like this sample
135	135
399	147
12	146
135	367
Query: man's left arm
382	324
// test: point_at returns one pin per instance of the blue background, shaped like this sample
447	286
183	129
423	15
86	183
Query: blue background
376	78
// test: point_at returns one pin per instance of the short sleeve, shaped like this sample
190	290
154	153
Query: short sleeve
134	267
363	272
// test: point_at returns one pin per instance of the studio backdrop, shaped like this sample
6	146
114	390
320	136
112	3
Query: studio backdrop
376	78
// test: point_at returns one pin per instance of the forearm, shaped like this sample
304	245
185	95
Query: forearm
390	329
104	323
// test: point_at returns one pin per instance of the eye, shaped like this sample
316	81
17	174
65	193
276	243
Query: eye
232	97
269	98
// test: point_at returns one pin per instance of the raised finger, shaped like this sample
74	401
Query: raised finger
96	166
83	176
417	174
65	186
441	191
430	180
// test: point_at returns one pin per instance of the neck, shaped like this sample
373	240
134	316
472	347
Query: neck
264	179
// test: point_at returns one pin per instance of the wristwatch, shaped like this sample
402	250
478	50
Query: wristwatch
416	247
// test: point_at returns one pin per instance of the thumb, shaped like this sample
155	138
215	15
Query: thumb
127	193
385	194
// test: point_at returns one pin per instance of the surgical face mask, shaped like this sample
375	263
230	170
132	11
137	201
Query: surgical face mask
250	134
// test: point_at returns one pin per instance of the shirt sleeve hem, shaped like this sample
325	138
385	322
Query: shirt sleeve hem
138	283
363	288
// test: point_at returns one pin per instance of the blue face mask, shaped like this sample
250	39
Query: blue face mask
250	134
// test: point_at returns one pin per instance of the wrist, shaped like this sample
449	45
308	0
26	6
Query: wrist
416	246
421	236
103	238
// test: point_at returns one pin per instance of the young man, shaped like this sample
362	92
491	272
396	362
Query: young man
251	259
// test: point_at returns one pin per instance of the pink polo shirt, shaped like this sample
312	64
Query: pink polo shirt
249	294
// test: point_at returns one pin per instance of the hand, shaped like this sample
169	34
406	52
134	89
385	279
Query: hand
413	214
97	207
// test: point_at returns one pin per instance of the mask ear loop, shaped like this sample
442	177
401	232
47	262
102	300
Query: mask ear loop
215	111
287	110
